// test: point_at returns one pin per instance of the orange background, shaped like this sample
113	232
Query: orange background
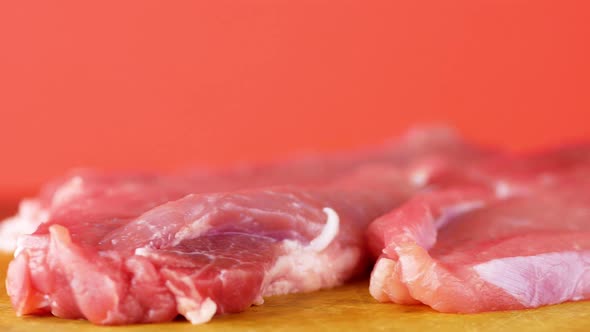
159	84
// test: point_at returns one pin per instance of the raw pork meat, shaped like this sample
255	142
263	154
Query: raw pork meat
508	234
202	254
99	195
119	249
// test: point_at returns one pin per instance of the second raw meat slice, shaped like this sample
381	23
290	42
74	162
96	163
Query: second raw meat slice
509	235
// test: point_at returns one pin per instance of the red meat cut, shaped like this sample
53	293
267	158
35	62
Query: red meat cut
508	234
94	196
202	254
126	248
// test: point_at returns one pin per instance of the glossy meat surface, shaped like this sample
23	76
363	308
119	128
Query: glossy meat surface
203	254
511	234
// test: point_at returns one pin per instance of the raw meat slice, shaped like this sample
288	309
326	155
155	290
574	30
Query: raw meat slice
96	195
202	254
476	248
515	173
100	195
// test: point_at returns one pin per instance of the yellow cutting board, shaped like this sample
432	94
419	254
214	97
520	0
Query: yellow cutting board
347	308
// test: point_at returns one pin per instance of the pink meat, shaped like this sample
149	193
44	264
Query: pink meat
94	196
515	173
203	254
474	247
118	249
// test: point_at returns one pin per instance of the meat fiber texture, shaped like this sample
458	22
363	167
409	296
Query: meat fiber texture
119	249
203	254
102	195
509	234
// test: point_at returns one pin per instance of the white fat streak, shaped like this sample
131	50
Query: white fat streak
305	270
311	267
197	312
329	232
503	189
203	314
142	252
17	251
19	248
420	177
